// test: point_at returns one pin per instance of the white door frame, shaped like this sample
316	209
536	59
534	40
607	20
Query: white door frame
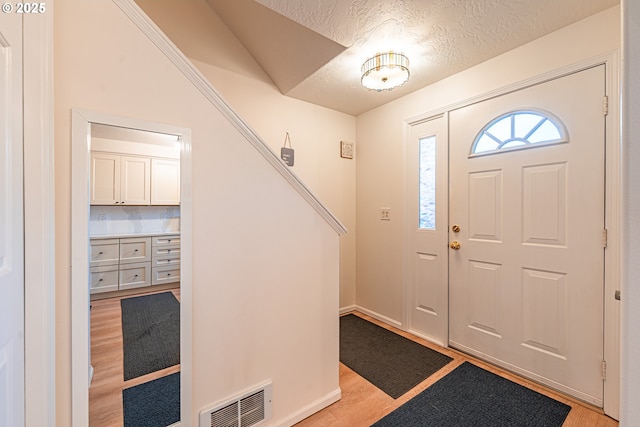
442	228
613	211
39	239
80	166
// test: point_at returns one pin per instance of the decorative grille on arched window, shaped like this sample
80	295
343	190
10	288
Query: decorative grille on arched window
518	130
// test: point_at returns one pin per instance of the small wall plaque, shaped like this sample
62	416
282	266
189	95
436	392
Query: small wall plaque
346	150
286	153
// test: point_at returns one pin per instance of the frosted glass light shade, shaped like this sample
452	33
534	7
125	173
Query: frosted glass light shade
385	71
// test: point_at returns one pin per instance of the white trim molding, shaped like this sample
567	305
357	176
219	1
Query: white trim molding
311	409
166	46
384	319
39	225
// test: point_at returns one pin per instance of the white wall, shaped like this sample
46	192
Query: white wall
265	265
315	131
630	379
379	177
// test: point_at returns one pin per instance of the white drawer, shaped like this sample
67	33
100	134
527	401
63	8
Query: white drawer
164	251
104	252
173	239
103	279
165	275
135	275
166	260
136	249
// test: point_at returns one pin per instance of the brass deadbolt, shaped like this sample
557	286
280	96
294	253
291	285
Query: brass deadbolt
455	228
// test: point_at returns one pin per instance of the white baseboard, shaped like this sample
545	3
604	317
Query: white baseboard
379	317
347	309
311	409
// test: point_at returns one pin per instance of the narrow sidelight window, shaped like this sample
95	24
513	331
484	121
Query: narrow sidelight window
427	188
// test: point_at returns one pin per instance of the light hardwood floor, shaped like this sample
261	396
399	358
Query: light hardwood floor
362	403
105	392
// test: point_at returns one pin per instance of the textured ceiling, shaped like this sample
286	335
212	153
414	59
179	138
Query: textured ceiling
313	49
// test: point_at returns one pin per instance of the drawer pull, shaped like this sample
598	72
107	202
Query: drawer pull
169	240
168	251
168	274
135	250
135	275
99	280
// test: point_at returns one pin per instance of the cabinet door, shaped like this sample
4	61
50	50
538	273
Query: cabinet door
163	275
103	279
135	249
165	260
166	250
165	182
135	181
135	275
165	240
104	252
105	179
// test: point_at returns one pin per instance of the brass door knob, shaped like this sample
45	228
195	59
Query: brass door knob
455	245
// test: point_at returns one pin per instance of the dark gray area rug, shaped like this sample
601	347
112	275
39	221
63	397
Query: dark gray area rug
389	361
150	333
472	397
152	404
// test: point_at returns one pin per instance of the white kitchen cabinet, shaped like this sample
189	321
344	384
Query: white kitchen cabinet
103	279
104	257
165	181
134	275
165	275
120	180
165	260
135	249
119	263
105	179
104	252
135	181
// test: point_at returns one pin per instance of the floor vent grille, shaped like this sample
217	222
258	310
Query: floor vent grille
247	410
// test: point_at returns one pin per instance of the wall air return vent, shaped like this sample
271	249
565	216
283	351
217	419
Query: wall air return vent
247	410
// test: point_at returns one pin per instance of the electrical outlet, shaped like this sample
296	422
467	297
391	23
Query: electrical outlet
102	217
385	214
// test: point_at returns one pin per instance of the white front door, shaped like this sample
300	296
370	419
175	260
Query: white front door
427	219
11	224
527	281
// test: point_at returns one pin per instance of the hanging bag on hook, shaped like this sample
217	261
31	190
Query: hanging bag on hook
286	154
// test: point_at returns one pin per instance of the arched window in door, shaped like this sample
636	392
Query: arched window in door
517	130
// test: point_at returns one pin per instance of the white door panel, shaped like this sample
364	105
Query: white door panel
427	219
526	285
11	224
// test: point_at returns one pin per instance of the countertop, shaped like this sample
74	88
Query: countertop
124	236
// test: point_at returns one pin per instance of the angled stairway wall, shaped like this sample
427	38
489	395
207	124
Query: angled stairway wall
265	261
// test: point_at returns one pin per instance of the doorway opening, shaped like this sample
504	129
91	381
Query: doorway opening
115	242
478	212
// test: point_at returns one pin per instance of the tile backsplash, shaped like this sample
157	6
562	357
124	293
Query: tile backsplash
117	220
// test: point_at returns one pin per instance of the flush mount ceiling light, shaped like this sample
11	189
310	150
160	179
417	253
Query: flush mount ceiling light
385	71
